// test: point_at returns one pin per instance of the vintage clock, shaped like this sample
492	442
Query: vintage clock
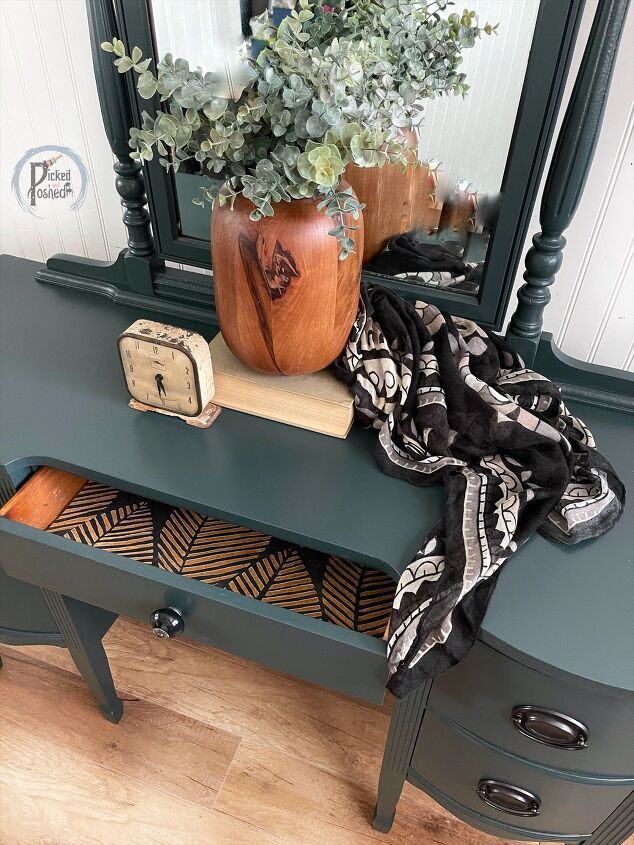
168	370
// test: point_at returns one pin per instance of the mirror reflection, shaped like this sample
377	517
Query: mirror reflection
427	225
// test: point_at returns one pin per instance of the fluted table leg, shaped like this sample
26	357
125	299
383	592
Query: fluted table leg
404	727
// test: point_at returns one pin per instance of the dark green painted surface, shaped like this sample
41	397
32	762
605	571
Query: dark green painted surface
475	818
82	627
569	608
481	691
298	645
69	409
591	384
22	608
454	763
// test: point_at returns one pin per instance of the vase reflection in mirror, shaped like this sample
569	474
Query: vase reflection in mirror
277	143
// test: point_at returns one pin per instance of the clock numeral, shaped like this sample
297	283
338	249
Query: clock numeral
136	344
190	400
147	395
131	368
189	385
173	355
133	382
155	349
186	371
128	354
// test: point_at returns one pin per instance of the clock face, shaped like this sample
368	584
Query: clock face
160	375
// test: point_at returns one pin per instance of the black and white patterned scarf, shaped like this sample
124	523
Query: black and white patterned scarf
413	258
453	402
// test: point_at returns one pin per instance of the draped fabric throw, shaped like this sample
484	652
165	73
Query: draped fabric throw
451	401
409	256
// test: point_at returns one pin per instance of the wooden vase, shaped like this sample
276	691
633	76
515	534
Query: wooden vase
396	200
285	301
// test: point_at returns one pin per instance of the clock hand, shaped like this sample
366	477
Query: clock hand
159	384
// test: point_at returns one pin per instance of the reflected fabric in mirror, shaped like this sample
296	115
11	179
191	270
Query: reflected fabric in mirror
430	224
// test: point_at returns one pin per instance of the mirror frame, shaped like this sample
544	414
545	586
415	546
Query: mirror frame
551	48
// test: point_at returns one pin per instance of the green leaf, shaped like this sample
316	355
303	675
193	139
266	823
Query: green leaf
142	66
124	64
146	85
107	46
215	108
183	134
118	47
136	55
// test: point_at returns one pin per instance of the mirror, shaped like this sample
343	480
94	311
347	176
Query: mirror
426	226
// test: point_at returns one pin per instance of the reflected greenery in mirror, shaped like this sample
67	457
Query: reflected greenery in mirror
338	83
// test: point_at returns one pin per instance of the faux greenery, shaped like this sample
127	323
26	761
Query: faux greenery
339	83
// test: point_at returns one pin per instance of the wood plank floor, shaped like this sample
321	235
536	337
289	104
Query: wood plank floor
212	750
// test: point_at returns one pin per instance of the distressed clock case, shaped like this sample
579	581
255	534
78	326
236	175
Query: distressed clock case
530	737
178	361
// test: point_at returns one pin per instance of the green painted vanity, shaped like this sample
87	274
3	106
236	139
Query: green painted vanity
531	736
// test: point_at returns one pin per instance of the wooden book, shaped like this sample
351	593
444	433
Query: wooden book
318	402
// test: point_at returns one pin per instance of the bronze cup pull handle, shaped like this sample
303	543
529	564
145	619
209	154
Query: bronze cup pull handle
549	727
508	798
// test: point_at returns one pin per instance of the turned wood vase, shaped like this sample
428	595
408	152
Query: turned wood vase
396	200
285	301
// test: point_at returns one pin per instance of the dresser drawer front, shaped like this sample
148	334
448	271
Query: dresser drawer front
485	691
326	654
467	772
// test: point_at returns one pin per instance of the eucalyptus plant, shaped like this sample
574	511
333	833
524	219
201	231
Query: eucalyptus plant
336	85
417	53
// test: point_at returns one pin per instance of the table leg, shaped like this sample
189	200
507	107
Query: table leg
618	826
404	727
83	641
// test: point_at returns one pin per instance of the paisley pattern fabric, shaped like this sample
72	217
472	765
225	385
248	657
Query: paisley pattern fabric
453	402
325	587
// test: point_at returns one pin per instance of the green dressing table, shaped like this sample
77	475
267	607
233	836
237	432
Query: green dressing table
532	735
468	738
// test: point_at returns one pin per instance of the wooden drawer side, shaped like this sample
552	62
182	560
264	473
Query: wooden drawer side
43	497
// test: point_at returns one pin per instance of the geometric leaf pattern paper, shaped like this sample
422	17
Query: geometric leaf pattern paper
256	565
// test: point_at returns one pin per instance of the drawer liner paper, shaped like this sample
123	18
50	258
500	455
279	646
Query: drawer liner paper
325	587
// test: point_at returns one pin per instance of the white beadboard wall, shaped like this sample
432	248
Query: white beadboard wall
48	96
591	315
470	136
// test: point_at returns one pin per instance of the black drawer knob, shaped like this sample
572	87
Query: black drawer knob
550	728
167	623
508	799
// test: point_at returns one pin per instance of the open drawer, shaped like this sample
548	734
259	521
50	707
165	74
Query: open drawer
314	616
